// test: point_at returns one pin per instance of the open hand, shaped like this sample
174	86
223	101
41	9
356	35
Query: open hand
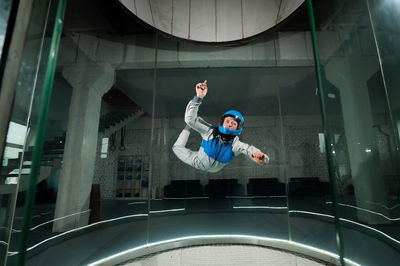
259	157
201	89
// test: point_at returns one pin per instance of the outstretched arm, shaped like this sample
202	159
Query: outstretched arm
251	151
191	118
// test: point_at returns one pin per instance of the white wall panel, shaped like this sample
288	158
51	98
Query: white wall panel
162	14
202	21
180	18
229	20
287	8
144	12
212	20
130	4
259	15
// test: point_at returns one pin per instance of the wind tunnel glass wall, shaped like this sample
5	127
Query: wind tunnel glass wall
309	199
86	126
188	198
23	125
385	19
89	135
361	97
118	108
5	7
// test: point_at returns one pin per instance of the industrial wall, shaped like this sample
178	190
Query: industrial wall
302	151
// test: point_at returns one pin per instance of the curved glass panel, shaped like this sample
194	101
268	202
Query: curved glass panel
385	17
22	128
362	134
310	210
87	186
119	171
5	7
97	172
7	197
191	196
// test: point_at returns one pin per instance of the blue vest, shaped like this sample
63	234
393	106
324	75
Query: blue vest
219	152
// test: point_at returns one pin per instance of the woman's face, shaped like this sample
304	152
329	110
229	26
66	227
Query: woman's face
230	123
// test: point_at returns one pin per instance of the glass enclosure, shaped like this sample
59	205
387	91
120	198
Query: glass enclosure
360	116
112	177
239	192
23	127
5	8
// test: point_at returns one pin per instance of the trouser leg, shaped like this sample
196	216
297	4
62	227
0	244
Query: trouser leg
184	154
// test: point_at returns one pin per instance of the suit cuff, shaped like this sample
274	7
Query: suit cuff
197	99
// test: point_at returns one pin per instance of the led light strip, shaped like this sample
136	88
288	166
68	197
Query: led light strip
170	210
379	204
140	202
366	210
260	207
59	218
188	198
349	221
90	225
216	237
10	253
34	216
173	210
253	197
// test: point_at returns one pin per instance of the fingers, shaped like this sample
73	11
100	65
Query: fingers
201	89
202	86
258	157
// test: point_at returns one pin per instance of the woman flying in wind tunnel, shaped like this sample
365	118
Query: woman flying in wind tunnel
220	144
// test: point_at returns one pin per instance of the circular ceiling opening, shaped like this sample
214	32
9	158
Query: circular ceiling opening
212	20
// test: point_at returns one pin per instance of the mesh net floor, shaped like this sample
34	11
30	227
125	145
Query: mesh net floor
225	255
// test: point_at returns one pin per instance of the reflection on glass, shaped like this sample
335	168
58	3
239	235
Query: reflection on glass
307	170
199	195
5	7
360	114
93	181
111	174
19	142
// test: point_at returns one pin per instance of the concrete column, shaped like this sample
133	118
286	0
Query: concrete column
89	81
350	76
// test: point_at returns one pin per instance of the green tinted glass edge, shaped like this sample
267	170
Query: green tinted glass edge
327	134
39	141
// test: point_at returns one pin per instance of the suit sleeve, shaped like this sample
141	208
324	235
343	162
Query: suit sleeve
246	149
194	121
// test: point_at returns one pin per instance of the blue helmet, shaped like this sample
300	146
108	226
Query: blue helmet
238	118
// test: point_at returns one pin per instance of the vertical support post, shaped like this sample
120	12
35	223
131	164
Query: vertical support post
328	146
151	140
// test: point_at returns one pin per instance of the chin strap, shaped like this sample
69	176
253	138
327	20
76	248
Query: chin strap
226	137
227	131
